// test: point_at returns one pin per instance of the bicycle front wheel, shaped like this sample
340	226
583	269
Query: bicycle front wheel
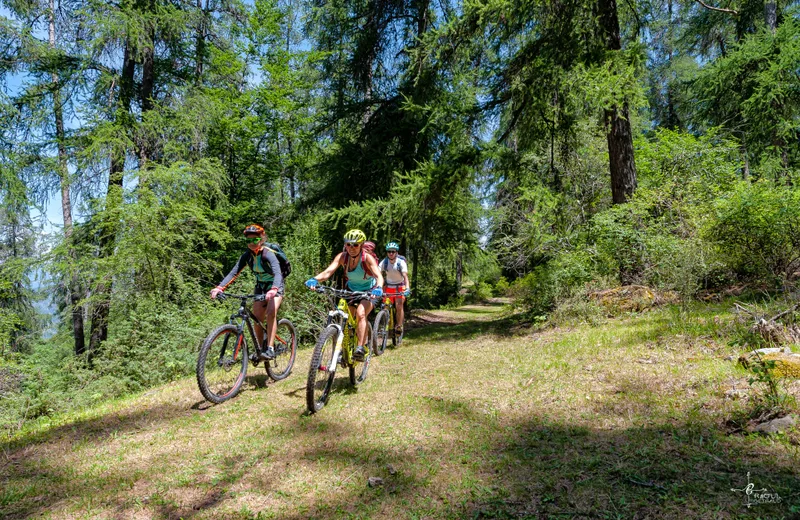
381	328
222	364
322	370
285	351
358	370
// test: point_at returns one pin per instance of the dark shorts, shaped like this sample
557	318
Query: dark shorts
262	288
353	301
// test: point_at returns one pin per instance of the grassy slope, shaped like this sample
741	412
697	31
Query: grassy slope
470	418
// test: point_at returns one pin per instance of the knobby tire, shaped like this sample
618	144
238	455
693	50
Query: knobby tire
222	364
381	328
285	351
320	378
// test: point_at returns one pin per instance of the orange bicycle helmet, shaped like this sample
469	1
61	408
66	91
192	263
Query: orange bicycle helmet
253	229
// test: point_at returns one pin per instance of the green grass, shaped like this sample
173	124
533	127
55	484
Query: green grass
474	416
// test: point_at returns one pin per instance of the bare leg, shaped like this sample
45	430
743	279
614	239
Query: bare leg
401	312
259	310
272	318
362	312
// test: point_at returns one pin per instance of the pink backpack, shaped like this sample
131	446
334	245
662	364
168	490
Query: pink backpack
367	248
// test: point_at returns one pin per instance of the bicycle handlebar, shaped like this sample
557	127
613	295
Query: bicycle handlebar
255	297
342	293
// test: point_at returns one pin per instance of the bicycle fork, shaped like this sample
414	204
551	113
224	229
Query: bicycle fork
337	351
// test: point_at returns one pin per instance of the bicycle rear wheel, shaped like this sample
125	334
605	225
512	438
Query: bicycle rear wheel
381	329
285	351
358	370
222	364
322	370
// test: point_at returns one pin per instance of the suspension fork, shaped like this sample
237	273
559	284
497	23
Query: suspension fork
337	349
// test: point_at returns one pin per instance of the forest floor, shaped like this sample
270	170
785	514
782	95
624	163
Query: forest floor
474	416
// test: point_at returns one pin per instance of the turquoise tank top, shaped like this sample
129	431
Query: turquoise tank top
356	280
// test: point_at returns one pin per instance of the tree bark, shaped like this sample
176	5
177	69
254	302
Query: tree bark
620	155
73	297
200	44
110	224
771	15
622	165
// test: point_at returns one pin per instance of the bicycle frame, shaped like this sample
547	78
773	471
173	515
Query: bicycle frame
345	322
246	315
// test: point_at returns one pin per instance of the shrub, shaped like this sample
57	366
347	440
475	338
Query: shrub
654	241
756	229
479	292
540	290
501	287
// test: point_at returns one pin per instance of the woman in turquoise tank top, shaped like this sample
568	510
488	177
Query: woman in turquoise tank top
362	275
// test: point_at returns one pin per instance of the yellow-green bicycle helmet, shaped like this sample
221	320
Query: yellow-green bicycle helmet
354	235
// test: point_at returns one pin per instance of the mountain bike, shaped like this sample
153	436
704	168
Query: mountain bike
334	348
222	364
384	326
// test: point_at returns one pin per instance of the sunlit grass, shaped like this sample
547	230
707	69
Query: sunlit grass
472	417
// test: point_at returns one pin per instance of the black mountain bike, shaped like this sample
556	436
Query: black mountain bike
222	365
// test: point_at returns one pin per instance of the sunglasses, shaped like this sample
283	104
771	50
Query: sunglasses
352	244
392	251
252	240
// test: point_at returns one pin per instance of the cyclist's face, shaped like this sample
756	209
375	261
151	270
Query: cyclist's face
352	247
391	252
253	241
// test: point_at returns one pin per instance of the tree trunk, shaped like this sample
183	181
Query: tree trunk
146	96
771	15
73	297
110	220
459	269
200	44
620	155
618	127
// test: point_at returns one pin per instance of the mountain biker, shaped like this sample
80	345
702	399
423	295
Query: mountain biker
269	282
397	286
361	270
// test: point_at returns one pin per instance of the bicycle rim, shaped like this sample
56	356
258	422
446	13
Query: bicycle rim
321	371
285	351
222	364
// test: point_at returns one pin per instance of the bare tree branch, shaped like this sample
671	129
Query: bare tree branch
719	9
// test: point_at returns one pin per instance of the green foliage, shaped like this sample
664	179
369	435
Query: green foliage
559	279
479	292
501	287
752	91
756	228
656	239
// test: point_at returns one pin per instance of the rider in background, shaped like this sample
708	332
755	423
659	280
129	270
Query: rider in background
269	282
397	285
362	273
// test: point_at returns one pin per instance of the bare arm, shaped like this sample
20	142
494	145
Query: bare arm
328	272
373	267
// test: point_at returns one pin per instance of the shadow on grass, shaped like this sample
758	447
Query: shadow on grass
504	467
437	331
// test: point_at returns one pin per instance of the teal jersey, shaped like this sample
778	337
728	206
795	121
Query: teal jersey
358	280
